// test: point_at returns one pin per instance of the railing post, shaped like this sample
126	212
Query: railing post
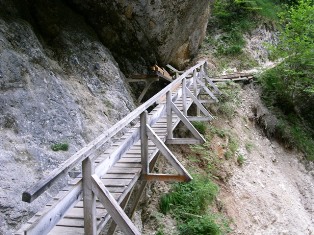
198	112
184	96
89	198
144	143
169	115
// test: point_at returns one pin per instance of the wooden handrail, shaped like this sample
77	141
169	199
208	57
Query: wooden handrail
35	191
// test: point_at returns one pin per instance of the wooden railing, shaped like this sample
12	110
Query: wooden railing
90	184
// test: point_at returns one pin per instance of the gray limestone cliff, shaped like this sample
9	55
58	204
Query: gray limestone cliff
62	66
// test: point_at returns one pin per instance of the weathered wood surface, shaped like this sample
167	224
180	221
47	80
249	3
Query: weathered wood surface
118	168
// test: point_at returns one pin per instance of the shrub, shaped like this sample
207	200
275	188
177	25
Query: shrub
60	146
201	127
193	197
240	160
205	225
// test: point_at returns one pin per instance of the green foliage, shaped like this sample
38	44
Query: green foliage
294	135
289	87
201	127
60	146
160	232
192	198
249	146
240	160
233	18
197	226
296	45
189	203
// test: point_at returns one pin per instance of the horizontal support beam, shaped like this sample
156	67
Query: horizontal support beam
183	141
164	177
200	119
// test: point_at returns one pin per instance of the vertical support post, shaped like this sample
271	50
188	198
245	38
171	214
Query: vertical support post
89	198
203	75
198	112
144	143
184	97
169	115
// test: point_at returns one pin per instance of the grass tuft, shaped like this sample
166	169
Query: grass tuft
60	146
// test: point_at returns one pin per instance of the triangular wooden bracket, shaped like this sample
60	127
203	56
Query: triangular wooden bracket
207	90
212	84
188	125
199	105
183	173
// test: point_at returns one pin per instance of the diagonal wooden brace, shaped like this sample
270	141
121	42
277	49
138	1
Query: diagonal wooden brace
168	154
113	208
199	105
187	123
207	90
212	84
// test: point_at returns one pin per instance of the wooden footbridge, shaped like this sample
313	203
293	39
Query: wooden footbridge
103	188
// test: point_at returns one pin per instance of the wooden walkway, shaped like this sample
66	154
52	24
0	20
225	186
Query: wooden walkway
108	179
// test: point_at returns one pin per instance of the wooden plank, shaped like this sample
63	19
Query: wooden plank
129	165
65	222
116	182
58	230
113	207
131	160
120	170
118	176
114	157
183	141
124	194
116	189
51	217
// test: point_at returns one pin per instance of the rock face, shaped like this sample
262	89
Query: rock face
59	82
65	89
148	31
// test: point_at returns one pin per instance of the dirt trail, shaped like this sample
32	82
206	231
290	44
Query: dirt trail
272	193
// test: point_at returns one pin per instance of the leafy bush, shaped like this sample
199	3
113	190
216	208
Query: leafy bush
60	146
205	225
201	127
193	197
189	202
